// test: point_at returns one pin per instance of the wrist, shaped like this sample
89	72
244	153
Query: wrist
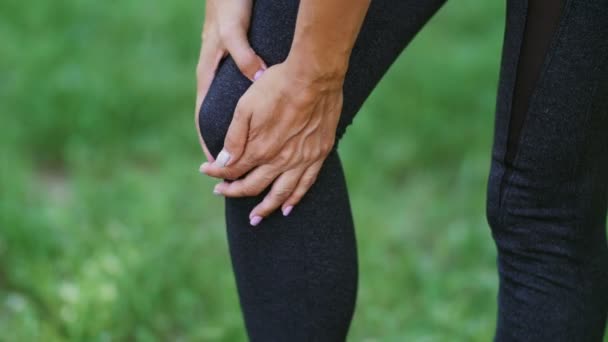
311	65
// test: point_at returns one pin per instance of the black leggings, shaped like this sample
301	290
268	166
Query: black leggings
547	188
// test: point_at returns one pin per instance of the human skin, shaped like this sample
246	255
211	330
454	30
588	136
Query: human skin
284	125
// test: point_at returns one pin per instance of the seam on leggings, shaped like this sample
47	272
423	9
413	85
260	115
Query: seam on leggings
508	175
560	30
511	96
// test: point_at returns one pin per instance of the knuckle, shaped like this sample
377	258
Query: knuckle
266	180
243	190
259	155
254	190
248	189
255	132
245	162
320	154
229	174
317	153
306	156
270	154
284	157
250	163
309	180
306	98
326	147
281	194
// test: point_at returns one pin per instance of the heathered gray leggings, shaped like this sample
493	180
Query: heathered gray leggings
547	187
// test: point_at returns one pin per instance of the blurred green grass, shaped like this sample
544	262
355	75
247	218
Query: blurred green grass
108	232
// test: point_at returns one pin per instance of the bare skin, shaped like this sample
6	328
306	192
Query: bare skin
284	125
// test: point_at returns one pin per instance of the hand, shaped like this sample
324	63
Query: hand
224	32
283	128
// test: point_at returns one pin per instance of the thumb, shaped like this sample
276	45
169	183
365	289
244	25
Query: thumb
250	64
236	137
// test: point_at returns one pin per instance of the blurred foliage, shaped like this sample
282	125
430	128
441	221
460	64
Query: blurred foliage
108	232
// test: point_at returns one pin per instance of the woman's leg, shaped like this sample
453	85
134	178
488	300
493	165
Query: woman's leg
548	185
297	275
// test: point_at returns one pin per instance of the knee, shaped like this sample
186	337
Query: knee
219	103
539	219
493	193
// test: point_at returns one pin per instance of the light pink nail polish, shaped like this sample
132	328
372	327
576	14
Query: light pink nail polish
222	158
255	220
287	210
258	74
218	188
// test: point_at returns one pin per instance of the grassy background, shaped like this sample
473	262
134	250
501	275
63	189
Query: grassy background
108	232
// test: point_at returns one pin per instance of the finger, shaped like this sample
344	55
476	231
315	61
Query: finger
251	185
306	181
216	170
209	58
237	44
281	189
238	132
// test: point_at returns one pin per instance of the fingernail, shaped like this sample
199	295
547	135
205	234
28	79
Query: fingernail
287	210
222	158
219	188
255	220
201	169
258	74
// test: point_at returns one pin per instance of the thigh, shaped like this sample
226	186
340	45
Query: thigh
561	149
547	198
